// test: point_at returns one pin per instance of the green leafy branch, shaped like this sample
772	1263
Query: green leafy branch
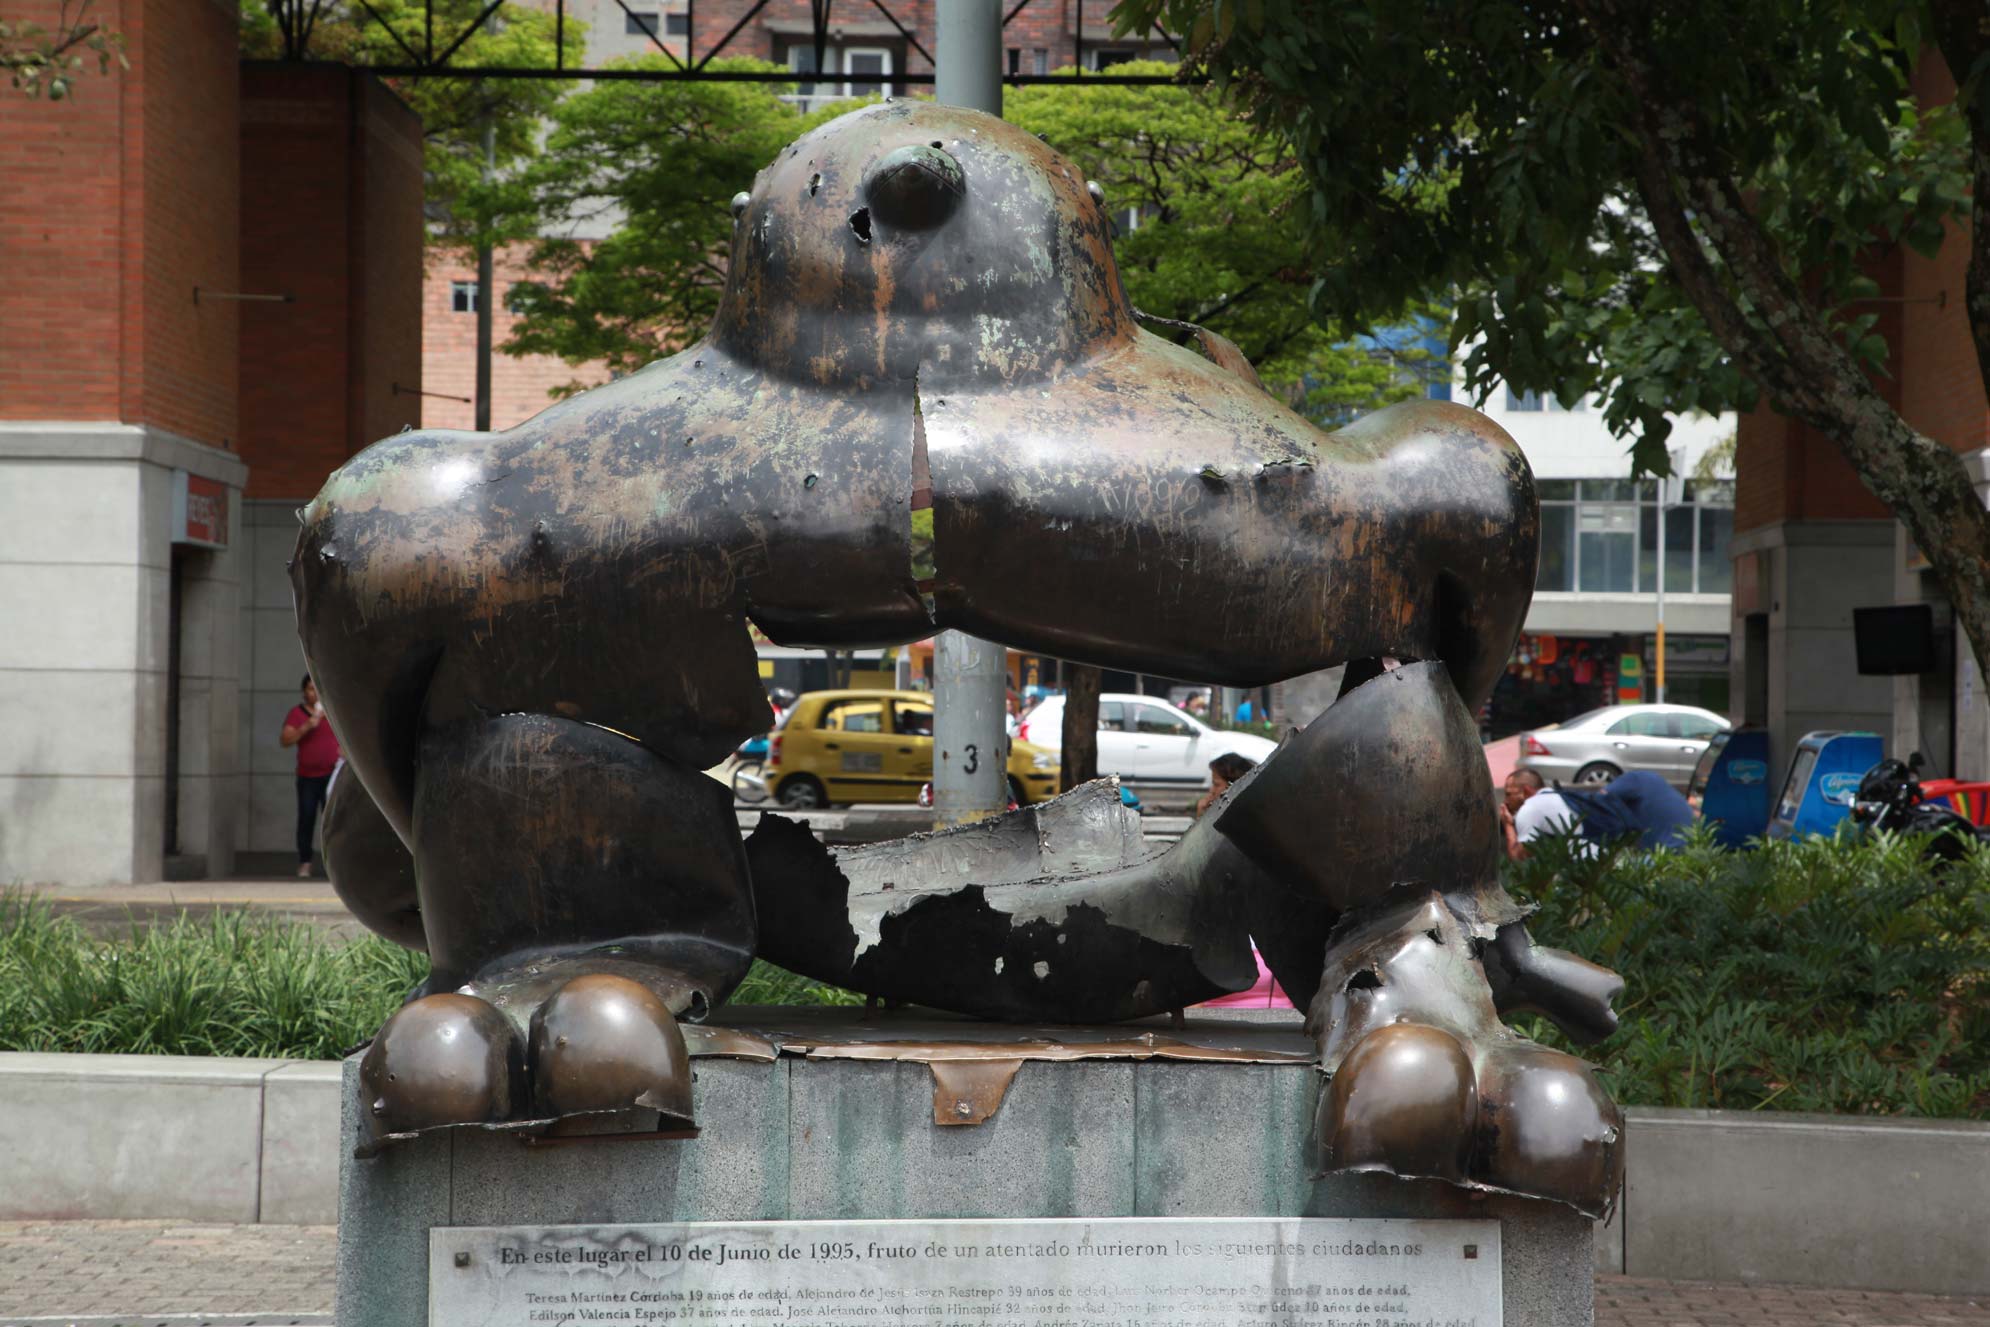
40	60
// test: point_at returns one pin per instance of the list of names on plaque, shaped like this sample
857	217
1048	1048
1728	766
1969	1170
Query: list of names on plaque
1121	1272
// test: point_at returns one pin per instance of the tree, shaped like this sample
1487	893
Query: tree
453	111
1219	207
38	59
1674	204
651	169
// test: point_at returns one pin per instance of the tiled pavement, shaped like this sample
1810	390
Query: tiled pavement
101	1272
1623	1301
157	1274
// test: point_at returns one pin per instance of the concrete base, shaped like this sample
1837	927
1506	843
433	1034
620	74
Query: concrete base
820	1139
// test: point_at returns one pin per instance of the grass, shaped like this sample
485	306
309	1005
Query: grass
1844	977
232	984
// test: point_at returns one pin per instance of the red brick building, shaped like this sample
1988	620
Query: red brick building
865	46
521	386
209	295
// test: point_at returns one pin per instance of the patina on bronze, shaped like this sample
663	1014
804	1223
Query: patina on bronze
533	641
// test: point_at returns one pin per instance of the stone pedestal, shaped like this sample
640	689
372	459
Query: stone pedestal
804	1138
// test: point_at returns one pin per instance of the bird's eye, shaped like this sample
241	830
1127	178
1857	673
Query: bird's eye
915	187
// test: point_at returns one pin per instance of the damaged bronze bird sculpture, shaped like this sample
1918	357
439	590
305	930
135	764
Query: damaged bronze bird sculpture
534	641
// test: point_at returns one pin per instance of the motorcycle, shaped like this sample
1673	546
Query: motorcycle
1890	797
749	771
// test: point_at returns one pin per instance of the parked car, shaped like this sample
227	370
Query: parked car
1596	747
1145	740
835	747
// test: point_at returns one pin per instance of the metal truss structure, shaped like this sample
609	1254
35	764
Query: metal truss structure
434	54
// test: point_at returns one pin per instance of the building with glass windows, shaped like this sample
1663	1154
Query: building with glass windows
1591	635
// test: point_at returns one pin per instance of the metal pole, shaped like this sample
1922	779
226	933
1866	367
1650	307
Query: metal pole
1671	490
1660	659
486	293
968	55
970	677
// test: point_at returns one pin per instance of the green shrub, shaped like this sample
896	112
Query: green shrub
232	984
1820	975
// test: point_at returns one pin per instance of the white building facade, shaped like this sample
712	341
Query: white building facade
1591	633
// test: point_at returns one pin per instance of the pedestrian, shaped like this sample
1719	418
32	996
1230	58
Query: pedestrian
1225	770
1530	809
1265	993
307	729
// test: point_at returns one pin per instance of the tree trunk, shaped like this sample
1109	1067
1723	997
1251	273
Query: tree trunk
1786	345
1081	725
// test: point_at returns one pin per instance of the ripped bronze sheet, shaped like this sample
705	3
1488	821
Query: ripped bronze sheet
925	1035
1144	1047
970	1078
706	1042
973	1063
969	1091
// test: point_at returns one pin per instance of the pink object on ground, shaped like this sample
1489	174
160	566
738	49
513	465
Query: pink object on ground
1501	756
1265	994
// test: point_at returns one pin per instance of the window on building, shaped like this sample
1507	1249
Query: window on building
1105	57
1601	536
866	72
1039	61
640	22
1015	59
677	25
1557	568
462	297
1522	400
517	302
1606	547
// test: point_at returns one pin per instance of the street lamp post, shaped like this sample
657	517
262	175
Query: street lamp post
1671	493
970	677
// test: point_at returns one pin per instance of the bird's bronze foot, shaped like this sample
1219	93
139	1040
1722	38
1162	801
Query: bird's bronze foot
1426	1082
527	1048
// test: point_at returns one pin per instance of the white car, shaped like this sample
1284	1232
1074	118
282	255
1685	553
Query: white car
1145	740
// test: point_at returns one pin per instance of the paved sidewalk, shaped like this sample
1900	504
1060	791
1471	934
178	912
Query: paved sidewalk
159	1274
1623	1301
151	1272
113	910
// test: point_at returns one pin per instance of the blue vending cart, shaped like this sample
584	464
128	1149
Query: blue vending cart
1823	782
1731	785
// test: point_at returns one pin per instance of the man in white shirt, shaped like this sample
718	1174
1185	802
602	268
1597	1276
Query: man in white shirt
1531	810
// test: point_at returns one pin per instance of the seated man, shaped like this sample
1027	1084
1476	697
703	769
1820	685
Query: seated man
1530	810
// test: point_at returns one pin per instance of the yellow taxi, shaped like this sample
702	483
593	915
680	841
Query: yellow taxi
876	746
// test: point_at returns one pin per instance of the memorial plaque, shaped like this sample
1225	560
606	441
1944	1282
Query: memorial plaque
1118	1272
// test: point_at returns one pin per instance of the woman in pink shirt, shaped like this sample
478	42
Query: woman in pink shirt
307	729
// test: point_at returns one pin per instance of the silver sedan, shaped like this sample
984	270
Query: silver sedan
1596	747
